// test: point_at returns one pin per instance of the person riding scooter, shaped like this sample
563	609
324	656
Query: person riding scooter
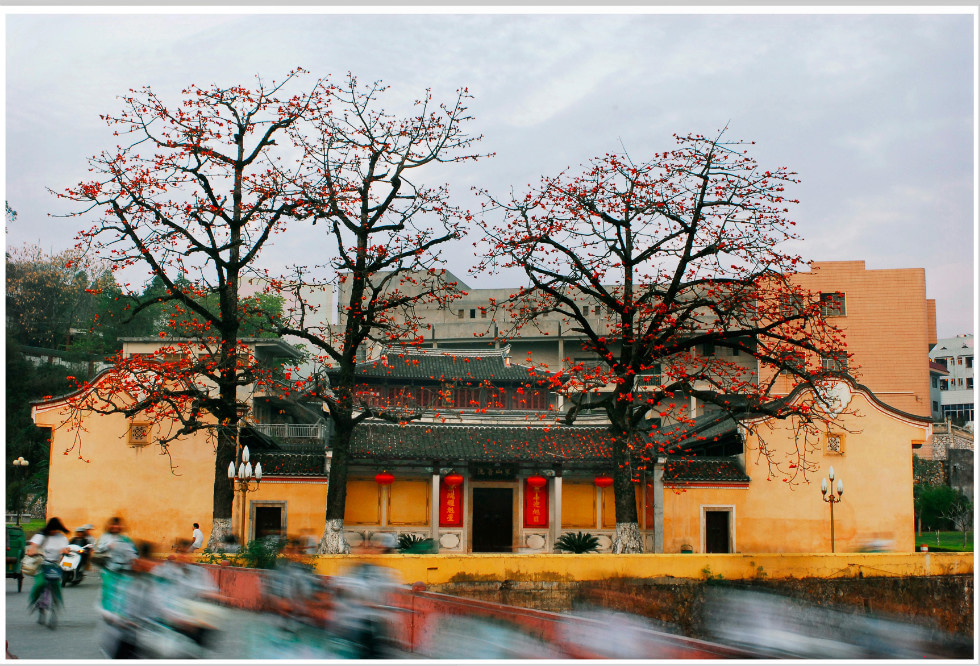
84	539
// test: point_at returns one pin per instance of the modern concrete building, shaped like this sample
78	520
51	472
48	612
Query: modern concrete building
957	391
888	322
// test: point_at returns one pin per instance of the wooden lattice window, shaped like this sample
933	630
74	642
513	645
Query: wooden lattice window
139	434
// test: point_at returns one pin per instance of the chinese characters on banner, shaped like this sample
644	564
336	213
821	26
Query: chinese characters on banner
535	506
450	506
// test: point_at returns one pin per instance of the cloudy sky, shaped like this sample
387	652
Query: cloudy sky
874	111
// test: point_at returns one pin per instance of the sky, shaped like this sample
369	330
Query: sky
874	111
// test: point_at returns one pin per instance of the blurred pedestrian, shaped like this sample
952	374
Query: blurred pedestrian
197	538
114	550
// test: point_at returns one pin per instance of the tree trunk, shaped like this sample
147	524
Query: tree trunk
333	540
628	539
224	493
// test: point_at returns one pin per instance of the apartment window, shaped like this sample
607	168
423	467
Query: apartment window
959	413
472	313
959	360
792	305
969	361
832	304
709	349
585	309
943	384
598	311
959	382
969	382
483	313
935	406
935	382
460	314
139	434
834	363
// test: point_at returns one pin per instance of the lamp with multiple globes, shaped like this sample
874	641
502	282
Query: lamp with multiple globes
245	480
827	490
20	463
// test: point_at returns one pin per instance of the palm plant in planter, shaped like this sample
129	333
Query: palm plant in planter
577	542
413	543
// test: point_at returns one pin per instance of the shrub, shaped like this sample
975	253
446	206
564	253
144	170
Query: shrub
577	542
413	543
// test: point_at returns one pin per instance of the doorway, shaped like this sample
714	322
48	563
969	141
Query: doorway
717	532
493	520
267	520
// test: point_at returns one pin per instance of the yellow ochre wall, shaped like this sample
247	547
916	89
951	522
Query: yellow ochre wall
774	516
304	501
113	478
449	568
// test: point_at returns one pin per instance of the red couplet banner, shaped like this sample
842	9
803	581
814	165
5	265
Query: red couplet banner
450	506
535	506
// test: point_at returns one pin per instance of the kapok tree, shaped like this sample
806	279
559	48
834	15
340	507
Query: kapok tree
193	196
383	233
654	266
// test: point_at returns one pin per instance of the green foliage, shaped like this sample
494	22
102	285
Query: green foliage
935	505
261	553
413	543
27	383
946	541
706	572
258	554
577	542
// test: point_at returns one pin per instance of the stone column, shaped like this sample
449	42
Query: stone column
555	518
434	507
658	505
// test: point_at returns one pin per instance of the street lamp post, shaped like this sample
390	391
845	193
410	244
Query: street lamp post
832	499
245	481
22	464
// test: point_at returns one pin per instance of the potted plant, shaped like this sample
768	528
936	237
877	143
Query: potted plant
577	542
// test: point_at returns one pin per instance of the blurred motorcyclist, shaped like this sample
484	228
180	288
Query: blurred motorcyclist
114	550
83	537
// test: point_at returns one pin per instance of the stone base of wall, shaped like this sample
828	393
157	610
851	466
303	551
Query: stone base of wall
943	602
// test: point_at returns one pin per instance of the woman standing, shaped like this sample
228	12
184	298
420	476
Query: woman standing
51	542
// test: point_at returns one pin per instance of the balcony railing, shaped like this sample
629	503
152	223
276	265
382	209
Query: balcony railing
293	431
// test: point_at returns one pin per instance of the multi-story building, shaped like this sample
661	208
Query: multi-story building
888	323
956	390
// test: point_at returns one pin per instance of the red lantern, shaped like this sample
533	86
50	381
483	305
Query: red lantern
537	481
453	480
384	478
603	481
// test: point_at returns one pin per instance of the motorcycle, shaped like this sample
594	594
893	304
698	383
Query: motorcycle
72	572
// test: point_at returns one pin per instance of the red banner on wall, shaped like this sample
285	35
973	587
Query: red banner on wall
450	506
535	506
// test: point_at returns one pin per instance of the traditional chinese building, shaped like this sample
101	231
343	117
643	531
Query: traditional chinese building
488	467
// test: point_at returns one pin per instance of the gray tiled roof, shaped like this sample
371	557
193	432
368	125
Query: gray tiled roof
447	365
512	443
723	470
479	443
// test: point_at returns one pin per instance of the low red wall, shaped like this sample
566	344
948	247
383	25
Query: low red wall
424	612
238	587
